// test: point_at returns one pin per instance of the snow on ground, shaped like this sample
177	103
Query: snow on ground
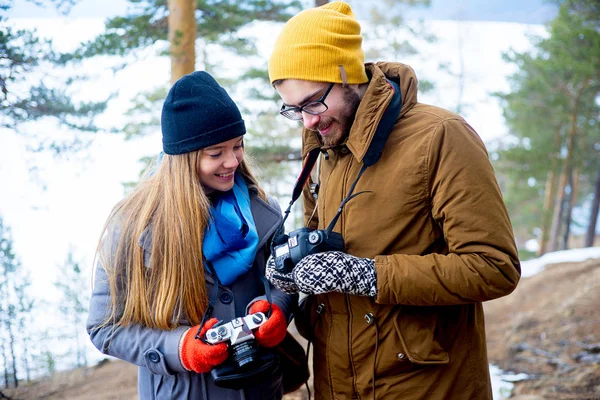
532	267
502	383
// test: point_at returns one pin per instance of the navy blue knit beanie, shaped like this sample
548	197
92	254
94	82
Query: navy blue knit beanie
198	113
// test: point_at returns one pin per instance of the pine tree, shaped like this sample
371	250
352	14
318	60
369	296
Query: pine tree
24	55
5	367
8	266
552	112
191	33
25	306
73	307
389	36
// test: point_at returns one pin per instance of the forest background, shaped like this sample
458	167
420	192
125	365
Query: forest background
60	106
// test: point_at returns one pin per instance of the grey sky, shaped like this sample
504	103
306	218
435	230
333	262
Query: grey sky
522	11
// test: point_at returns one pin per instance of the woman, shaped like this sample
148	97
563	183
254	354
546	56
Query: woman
188	248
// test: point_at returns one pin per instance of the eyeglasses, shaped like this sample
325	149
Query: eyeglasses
313	108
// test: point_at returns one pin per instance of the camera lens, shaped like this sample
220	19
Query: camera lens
314	238
257	318
244	353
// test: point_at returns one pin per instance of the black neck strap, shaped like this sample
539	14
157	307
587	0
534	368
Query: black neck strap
212	301
348	197
385	126
309	163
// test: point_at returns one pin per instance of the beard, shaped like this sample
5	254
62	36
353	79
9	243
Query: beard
343	122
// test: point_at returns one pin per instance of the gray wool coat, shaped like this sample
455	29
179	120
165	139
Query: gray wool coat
161	374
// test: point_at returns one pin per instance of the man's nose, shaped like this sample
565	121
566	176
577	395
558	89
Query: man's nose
310	121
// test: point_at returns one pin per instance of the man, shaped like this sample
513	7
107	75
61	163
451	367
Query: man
398	314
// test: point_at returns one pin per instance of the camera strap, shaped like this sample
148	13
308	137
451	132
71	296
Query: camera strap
309	163
267	294
212	301
386	124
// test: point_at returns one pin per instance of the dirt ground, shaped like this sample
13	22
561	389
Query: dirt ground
549	329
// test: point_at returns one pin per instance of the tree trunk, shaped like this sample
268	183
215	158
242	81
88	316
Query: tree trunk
558	208
11	344
570	204
567	166
80	346
5	362
24	338
550	194
26	367
14	360
182	37
591	231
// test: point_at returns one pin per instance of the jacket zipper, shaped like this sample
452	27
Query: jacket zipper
370	318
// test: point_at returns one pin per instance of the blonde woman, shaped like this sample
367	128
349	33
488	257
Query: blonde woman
185	249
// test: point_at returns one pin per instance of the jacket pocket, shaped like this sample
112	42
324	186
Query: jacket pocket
417	329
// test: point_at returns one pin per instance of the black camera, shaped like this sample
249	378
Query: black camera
248	363
303	242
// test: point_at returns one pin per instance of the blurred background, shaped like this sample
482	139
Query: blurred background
82	88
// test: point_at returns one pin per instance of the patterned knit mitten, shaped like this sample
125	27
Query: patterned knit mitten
334	271
282	281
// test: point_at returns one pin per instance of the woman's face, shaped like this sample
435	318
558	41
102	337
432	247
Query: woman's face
218	164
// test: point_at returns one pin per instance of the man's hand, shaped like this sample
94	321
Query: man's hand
282	281
334	271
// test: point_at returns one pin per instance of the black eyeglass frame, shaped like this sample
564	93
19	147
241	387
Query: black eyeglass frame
297	111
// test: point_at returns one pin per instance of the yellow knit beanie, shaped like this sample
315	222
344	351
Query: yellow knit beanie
316	42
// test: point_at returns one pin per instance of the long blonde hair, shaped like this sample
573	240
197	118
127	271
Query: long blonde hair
174	205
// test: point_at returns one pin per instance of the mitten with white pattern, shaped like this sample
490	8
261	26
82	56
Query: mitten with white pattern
334	271
281	280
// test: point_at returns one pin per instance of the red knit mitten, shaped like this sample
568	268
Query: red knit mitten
198	356
272	332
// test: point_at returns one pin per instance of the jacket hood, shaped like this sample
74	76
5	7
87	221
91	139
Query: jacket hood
377	97
405	77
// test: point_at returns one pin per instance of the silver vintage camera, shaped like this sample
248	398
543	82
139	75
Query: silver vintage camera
238	332
248	363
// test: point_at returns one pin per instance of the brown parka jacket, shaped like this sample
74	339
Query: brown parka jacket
435	223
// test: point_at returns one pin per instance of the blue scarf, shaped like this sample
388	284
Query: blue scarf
231	240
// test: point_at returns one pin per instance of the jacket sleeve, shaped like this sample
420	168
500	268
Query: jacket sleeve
466	203
154	349
286	302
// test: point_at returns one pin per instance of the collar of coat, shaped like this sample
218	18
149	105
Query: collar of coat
372	106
